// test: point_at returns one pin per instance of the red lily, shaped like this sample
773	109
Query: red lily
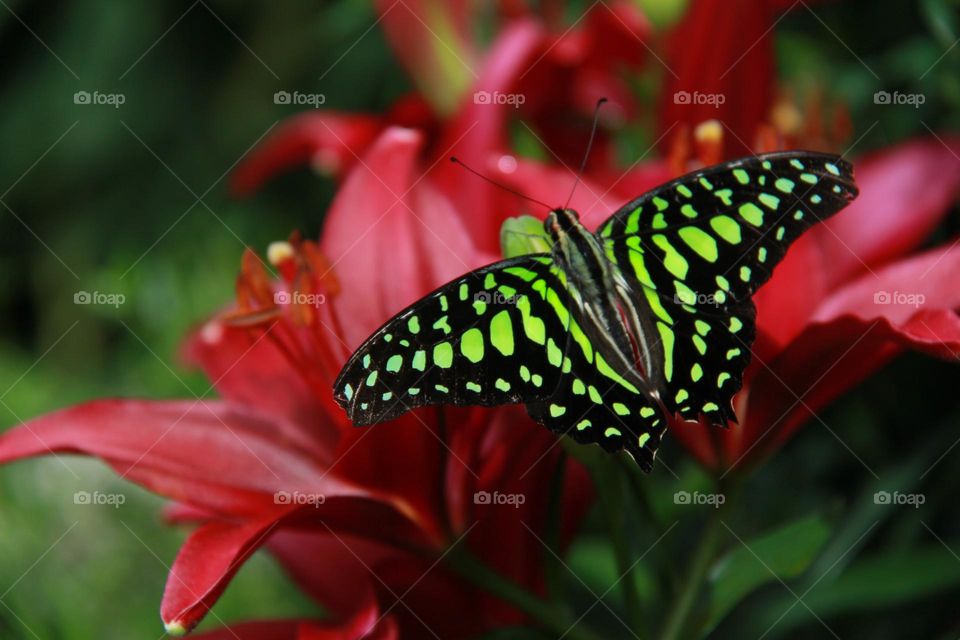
394	497
720	66
526	59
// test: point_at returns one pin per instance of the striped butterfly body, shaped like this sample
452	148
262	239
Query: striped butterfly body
610	333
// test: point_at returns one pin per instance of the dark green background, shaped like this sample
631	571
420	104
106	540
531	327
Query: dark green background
104	199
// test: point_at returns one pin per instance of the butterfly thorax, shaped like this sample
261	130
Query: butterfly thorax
579	253
594	281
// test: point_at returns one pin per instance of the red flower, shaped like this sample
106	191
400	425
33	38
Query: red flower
850	295
276	463
553	77
720	66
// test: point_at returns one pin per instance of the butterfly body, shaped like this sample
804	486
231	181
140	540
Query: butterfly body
612	333
598	283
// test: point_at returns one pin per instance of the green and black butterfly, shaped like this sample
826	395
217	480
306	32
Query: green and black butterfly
609	333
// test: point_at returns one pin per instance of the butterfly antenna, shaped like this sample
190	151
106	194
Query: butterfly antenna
583	163
455	160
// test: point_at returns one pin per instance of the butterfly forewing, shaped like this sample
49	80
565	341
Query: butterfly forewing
507	333
487	338
694	250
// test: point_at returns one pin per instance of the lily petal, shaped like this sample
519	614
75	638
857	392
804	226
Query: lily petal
824	362
225	458
214	552
897	292
433	41
723	49
390	237
904	194
204	566
327	140
251	370
791	296
477	132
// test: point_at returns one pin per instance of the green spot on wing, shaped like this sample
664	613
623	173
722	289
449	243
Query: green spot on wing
701	242
442	324
784	184
471	345
672	259
501	333
413	324
443	355
751	213
666	336
419	360
769	200
394	363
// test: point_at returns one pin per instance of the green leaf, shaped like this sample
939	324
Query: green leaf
784	553
881	581
523	235
940	18
592	560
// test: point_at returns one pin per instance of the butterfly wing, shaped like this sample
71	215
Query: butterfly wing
490	337
506	333
593	404
694	250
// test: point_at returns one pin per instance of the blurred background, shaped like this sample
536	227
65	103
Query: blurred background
131	201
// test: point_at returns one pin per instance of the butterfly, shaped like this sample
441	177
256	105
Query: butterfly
612	333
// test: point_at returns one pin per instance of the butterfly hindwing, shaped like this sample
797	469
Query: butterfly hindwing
591	407
694	250
486	338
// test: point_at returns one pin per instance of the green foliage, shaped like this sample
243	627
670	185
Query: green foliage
777	556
